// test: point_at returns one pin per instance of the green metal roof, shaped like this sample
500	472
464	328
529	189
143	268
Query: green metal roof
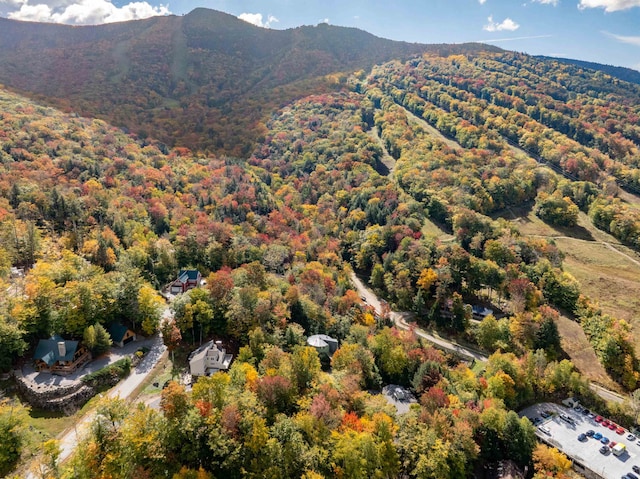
47	350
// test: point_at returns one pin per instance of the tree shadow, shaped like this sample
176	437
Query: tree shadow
577	232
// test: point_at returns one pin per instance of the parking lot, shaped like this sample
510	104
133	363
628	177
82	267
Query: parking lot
564	436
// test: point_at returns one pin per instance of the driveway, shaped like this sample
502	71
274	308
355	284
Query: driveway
400	319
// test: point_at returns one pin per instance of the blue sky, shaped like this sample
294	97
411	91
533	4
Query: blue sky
605	31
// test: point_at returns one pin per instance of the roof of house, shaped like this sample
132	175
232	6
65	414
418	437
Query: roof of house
47	350
188	274
199	354
214	351
117	331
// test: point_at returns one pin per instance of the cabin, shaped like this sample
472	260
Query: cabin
59	356
208	359
120	334
187	279
480	312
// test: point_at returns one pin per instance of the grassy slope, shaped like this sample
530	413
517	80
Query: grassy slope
607	272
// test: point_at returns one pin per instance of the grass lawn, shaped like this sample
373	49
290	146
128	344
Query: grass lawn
432	230
608	272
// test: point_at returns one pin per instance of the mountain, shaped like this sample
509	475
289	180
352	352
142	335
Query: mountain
206	80
622	73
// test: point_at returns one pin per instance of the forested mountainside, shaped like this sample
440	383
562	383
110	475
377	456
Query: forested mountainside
622	73
98	212
407	172
206	80
353	178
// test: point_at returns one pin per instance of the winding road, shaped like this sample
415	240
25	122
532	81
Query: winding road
400	320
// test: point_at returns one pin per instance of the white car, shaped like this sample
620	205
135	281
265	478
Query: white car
545	429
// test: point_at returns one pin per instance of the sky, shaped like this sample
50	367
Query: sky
603	31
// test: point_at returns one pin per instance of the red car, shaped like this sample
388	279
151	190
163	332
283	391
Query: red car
612	443
605	422
620	430
613	426
598	419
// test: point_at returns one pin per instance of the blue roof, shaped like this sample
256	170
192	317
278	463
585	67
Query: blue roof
48	352
191	274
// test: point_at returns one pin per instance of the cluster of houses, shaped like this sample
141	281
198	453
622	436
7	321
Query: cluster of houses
63	356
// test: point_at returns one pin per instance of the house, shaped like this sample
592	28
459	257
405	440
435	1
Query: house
120	335
480	312
60	356
208	359
187	279
324	344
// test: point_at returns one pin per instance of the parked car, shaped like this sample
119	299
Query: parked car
546	414
631	437
566	418
605	450
604	440
545	429
636	469
605	422
590	433
597	436
582	437
598	419
631	475
613	426
612	444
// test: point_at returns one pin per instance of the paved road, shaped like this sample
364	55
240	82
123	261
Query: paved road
70	439
400	320
123	390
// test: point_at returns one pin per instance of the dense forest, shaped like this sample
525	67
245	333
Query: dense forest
348	179
205	81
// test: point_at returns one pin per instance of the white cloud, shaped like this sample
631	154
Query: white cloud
323	20
548	2
609	5
506	24
256	19
631	40
82	12
482	2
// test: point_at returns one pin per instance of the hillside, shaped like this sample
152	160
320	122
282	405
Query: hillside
622	73
206	80
445	180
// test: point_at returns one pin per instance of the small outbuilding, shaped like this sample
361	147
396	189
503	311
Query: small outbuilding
324	344
59	356
120	334
208	359
480	312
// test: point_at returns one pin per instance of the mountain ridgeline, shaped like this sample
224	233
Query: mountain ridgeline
206	80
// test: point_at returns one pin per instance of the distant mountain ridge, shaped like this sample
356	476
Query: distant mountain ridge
206	80
622	73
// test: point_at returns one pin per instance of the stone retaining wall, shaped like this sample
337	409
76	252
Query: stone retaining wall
66	399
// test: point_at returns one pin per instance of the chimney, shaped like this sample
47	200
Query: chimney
62	349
